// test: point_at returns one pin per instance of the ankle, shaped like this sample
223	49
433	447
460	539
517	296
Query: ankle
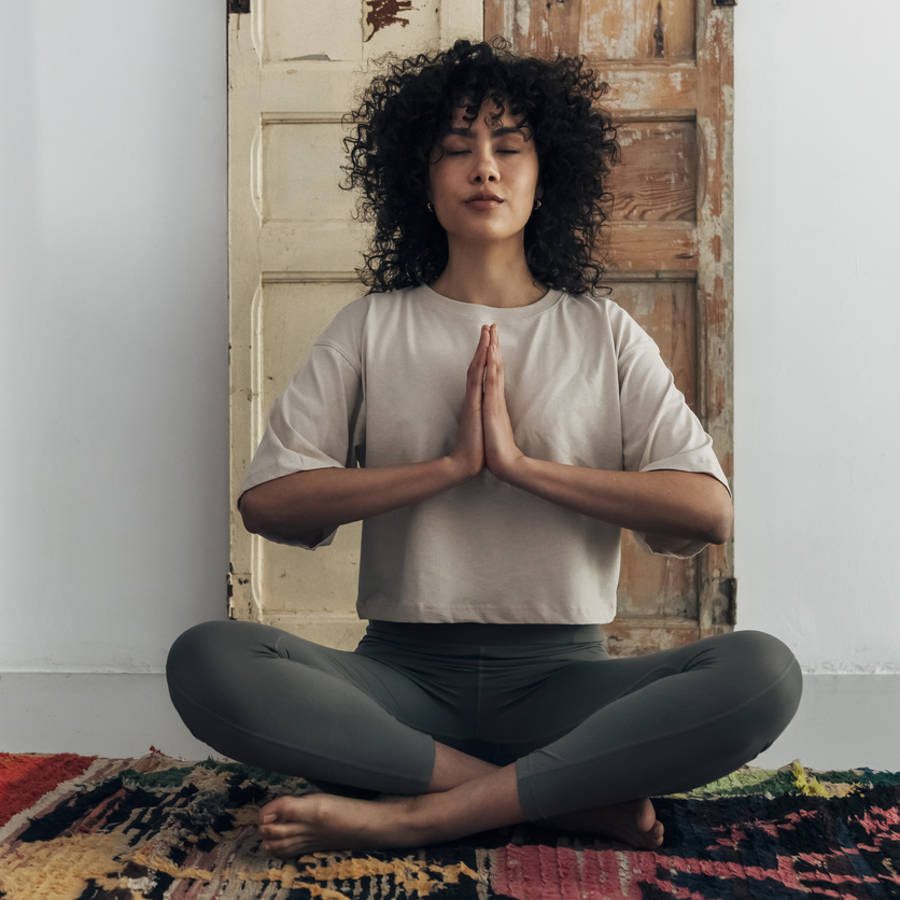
417	818
453	768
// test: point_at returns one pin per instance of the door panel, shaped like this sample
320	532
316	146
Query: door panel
293	70
667	245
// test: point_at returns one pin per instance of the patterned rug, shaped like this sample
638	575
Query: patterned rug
160	827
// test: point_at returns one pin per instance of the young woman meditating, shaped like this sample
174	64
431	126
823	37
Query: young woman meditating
495	421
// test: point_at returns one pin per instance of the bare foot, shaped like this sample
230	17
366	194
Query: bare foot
322	821
633	822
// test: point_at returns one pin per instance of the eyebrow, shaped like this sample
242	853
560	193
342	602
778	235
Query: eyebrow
496	132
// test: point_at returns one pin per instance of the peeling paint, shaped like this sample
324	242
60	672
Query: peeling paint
523	16
386	12
658	34
638	29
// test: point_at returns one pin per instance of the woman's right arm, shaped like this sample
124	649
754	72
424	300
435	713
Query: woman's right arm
308	504
305	504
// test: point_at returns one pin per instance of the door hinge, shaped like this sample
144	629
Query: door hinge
238	6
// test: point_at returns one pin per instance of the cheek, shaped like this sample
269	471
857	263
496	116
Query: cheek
526	176
438	182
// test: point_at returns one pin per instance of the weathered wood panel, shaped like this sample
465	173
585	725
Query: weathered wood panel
667	246
656	179
293	69
604	29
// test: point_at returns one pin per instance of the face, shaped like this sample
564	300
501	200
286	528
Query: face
484	156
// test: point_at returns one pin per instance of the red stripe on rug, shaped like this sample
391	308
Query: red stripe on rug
26	777
545	872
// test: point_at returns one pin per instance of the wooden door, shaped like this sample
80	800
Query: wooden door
668	246
292	71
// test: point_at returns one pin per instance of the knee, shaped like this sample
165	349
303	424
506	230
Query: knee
192	647
770	654
775	672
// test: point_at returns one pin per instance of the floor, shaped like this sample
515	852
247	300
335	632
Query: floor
844	721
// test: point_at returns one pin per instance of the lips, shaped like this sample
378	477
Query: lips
484	197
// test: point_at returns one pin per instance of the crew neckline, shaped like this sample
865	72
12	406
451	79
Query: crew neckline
494	313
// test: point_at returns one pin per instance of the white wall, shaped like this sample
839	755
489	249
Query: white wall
114	331
114	323
817	435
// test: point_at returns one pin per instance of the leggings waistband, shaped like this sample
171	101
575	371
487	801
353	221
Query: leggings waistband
487	633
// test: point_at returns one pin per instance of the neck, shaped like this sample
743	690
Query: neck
488	274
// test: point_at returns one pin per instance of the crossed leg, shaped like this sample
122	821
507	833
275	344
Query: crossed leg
645	726
463	789
677	719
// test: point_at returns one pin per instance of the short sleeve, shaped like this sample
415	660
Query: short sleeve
659	429
317	422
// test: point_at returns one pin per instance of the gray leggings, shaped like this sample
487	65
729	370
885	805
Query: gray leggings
583	729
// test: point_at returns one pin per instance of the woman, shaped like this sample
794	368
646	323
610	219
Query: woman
482	694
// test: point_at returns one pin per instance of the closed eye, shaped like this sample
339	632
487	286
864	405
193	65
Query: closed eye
460	152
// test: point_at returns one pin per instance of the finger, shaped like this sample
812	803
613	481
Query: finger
484	341
490	372
478	347
480	352
493	360
494	368
488	366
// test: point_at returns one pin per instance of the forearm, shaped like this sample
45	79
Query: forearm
665	502
315	500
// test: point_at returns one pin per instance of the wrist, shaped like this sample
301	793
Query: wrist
457	470
514	472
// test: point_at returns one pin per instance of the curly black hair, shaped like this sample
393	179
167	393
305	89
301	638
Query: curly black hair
404	112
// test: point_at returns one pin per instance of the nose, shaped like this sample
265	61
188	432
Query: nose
484	168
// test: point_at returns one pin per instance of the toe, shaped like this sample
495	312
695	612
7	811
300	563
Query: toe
266	812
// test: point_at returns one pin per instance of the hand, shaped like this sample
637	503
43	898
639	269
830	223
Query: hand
500	451
468	453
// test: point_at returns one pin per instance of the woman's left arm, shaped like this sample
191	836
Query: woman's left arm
673	511
690	505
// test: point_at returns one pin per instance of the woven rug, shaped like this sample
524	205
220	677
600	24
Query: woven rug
88	827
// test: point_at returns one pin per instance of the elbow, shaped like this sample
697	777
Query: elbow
256	522
722	525
248	514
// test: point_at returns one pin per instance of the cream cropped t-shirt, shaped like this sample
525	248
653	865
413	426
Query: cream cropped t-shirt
383	385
